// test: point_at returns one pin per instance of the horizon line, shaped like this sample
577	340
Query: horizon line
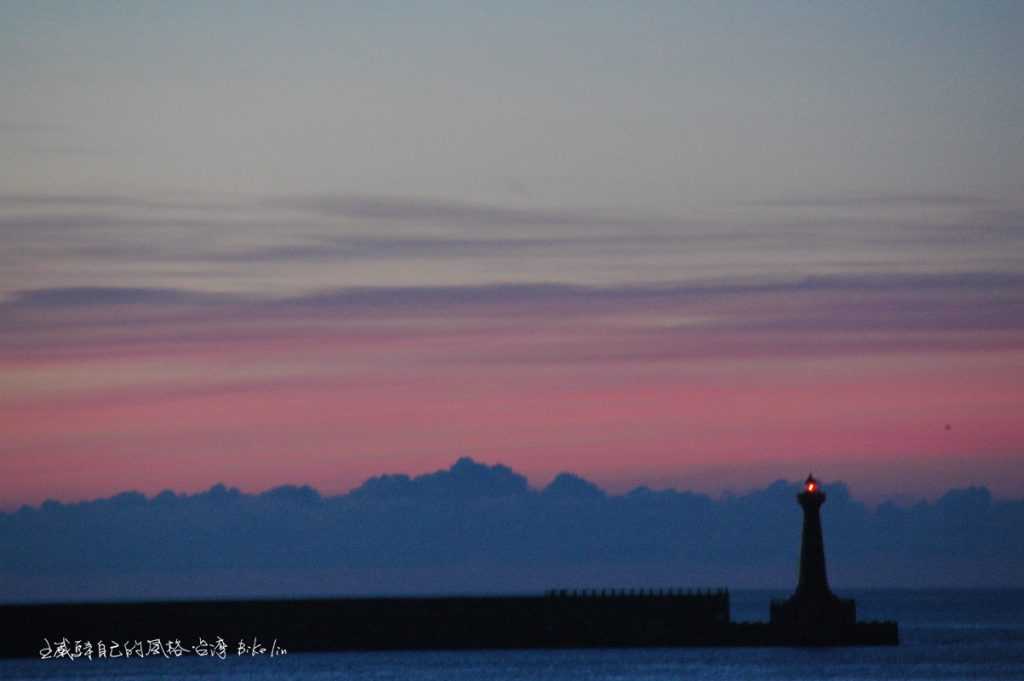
724	495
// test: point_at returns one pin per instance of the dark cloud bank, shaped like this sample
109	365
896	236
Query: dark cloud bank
478	528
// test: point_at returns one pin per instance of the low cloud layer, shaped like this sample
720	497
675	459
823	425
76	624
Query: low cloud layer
481	528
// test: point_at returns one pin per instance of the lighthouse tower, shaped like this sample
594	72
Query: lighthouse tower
813	614
813	581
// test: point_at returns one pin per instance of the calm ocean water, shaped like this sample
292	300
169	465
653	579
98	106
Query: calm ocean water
945	635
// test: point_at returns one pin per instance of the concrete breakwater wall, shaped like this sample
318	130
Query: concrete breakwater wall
557	619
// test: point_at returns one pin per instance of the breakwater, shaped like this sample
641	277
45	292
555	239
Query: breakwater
556	619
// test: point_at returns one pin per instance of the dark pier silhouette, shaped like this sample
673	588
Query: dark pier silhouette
557	619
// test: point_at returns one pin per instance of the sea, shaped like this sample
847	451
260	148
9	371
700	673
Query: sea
945	634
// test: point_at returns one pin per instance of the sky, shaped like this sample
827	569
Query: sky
697	245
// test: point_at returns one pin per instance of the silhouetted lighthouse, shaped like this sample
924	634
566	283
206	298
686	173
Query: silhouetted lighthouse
813	580
813	614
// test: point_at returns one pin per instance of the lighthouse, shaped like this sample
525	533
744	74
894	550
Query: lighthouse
813	582
813	614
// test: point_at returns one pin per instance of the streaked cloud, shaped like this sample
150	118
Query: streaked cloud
415	209
215	244
875	200
100	296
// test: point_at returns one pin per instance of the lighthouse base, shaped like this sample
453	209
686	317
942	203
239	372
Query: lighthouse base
815	620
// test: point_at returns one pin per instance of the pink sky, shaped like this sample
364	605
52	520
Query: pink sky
664	388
